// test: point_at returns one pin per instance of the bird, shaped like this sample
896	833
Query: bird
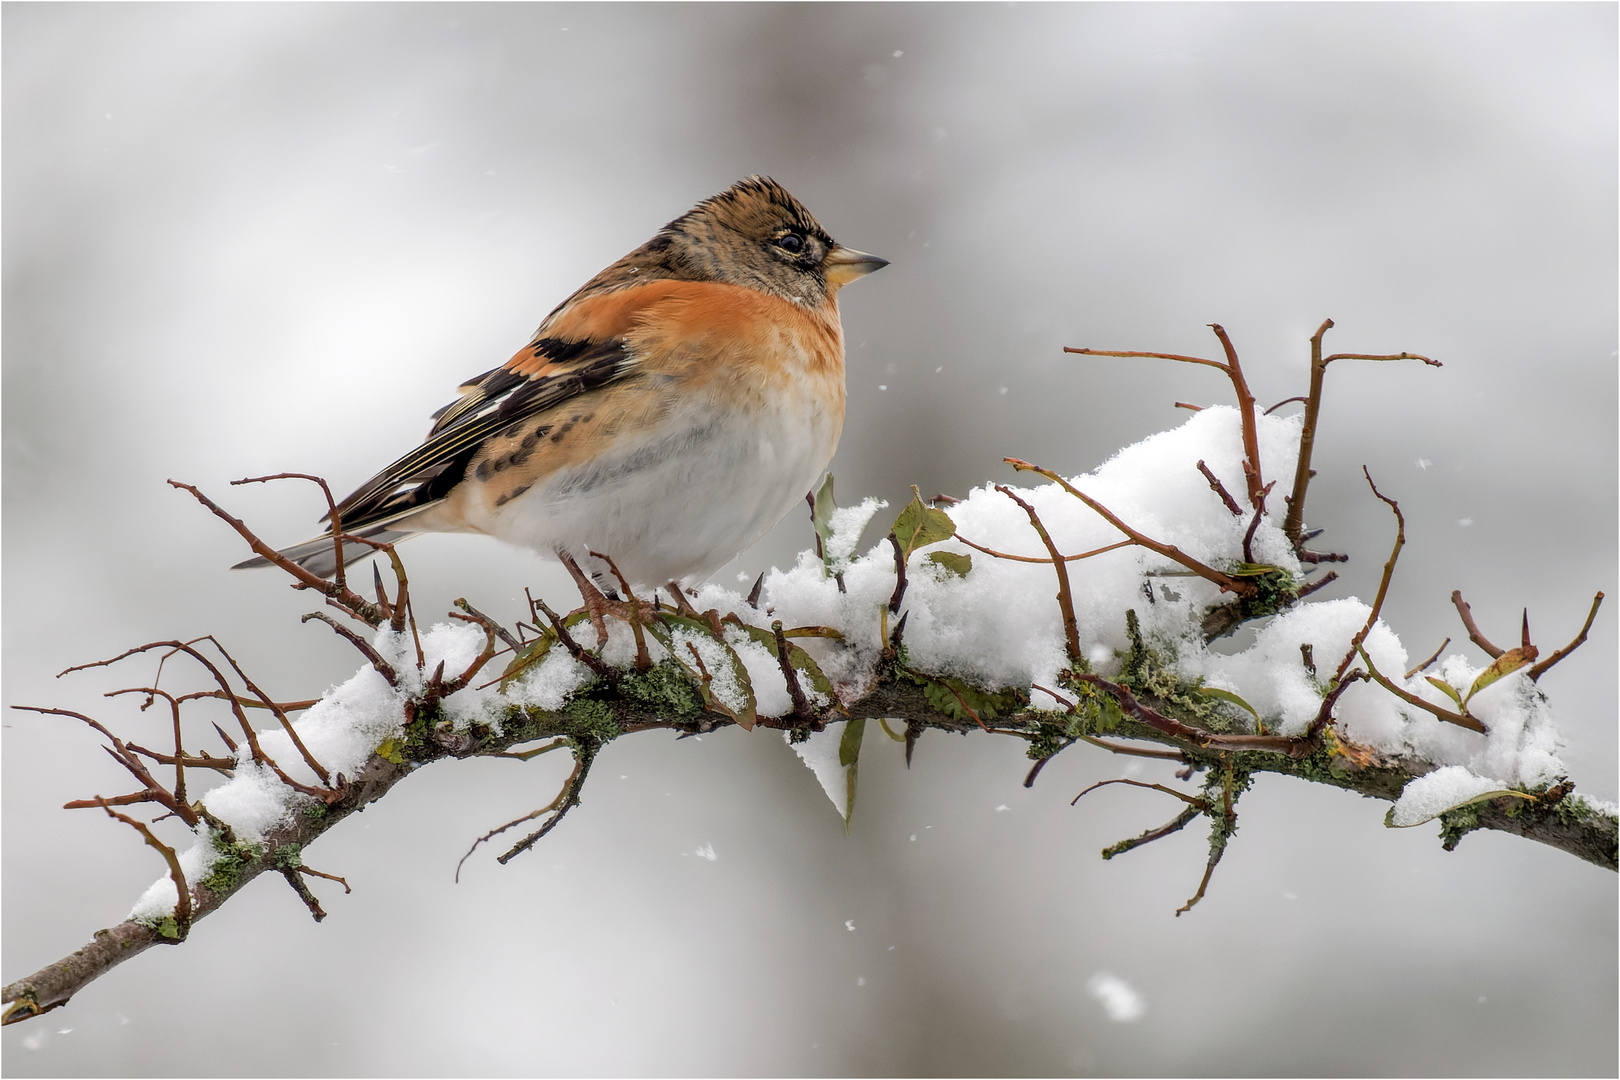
659	421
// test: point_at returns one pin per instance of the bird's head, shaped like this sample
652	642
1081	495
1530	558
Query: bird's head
757	235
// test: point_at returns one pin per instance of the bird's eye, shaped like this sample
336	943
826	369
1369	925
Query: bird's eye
790	242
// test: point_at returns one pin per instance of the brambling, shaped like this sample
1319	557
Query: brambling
666	415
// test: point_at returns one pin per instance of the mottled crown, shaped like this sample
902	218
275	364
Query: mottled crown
735	237
755	207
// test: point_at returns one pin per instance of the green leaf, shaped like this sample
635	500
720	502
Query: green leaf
1249	569
538	649
849	755
664	634
920	525
1503	665
1484	796
1226	695
821	515
952	562
1445	688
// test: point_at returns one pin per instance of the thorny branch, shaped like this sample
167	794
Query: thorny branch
1319	754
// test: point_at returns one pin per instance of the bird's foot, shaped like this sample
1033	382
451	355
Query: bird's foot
637	613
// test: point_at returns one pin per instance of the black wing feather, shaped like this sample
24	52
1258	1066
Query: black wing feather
500	399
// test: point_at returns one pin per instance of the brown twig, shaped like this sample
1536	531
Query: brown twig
1425	665
182	892
1034	559
335	523
293	878
1280	404
899	576
1259	512
578	652
1467	614
1460	719
219	678
1209	869
1240	387
1065	599
502	632
1199	805
1324	715
1174	825
276	710
1383	584
1275	744
1295	520
1541	669
246	703
178	760
1133	751
1251	434
1169	551
801	704
384	668
1218	488
1307	589
350	601
490	630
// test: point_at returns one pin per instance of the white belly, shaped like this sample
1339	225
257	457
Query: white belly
681	502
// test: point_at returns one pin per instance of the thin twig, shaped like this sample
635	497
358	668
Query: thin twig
1425	665
1474	635
1280	404
1200	805
1460	719
384	668
505	635
1065	599
1383	584
1295	520
1259	512
1034	559
182	892
1218	488
352	602
801	704
1209	868
1251	434
478	662
334	522
577	651
1541	669
1307	589
1169	551
1174	825
899	576
276	710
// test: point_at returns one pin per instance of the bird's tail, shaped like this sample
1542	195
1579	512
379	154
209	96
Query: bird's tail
319	557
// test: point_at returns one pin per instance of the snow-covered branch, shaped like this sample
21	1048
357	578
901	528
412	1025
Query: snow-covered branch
1013	612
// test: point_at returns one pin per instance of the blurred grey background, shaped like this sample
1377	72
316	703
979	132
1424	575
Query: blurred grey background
248	238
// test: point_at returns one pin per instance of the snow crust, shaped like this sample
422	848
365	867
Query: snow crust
998	626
